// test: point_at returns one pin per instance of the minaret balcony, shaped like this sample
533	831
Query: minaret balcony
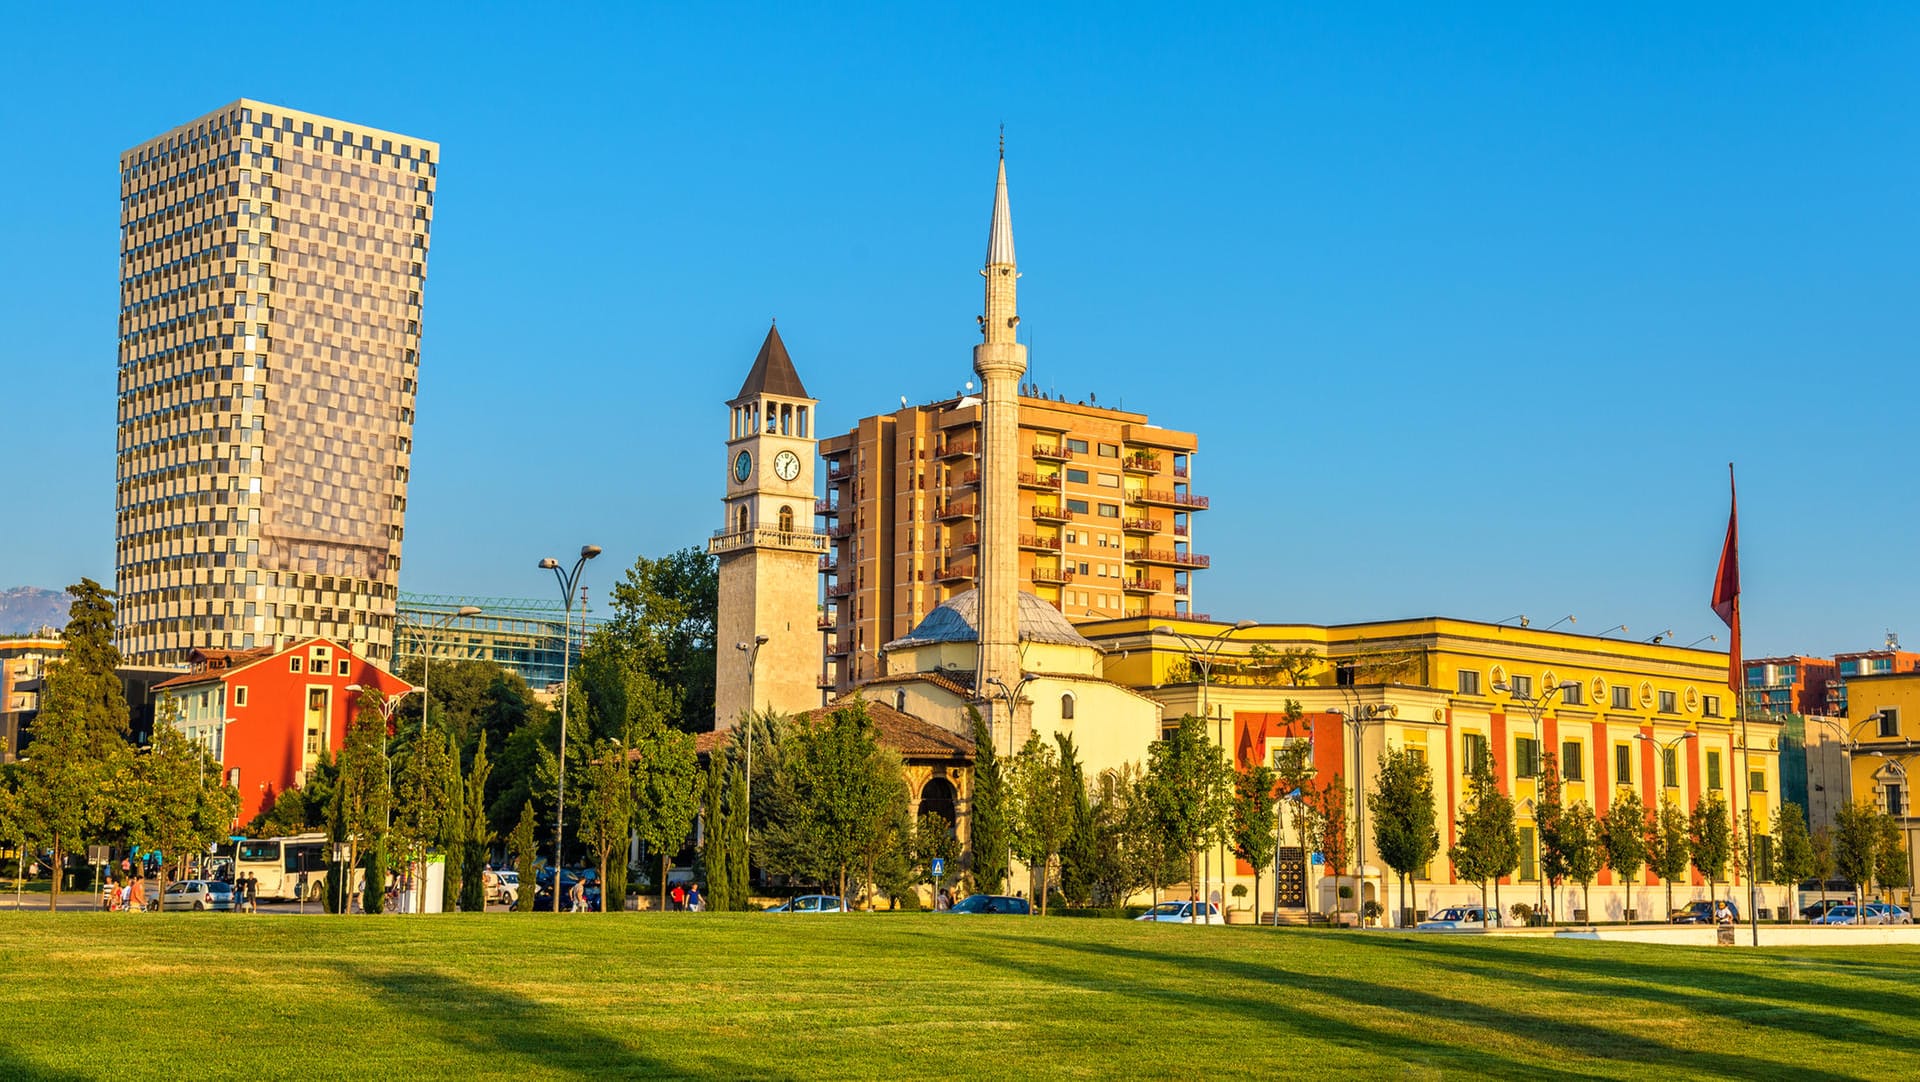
1052	452
1140	585
1168	558
1034	542
1040	480
1047	513
1164	498
1052	576
1141	463
1140	525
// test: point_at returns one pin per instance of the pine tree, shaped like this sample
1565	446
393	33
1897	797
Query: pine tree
476	837
1077	852
524	847
716	836
988	843
739	881
453	828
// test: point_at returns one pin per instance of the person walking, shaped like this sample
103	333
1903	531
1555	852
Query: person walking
679	896
578	896
693	899
137	895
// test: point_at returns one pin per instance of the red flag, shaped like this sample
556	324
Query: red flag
1726	584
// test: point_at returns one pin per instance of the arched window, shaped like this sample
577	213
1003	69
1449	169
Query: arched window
900	701
1066	707
937	798
742	519
786	519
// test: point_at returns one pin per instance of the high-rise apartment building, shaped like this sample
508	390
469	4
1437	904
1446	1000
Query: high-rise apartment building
271	270
1105	519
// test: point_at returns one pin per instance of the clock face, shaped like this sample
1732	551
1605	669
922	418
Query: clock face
787	465
743	467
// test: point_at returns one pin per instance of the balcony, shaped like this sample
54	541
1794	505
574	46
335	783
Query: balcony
1039	480
1164	498
1045	513
954	509
825	508
1141	463
725	541
1052	576
1181	589
842	588
1168	557
825	623
828	564
1033	542
839	648
1181	472
963	541
1052	452
956	572
957	448
1141	525
964	480
1162	612
1181	529
839	467
1140	585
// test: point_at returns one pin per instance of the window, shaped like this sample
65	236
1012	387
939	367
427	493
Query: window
1571	768
1710	705
1894	802
1526	757
240	695
1109	450
1889	722
293	664
1527	871
740	519
1522	686
1756	781
1473	752
1623	698
1670	767
343	667
1467	682
1109	510
1713	771
1109	480
313	740
900	701
1622	764
1078	447
1669	703
1066	707
786	518
1078	507
1078	477
317	699
1573	693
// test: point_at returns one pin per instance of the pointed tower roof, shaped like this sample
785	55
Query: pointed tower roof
1000	234
773	371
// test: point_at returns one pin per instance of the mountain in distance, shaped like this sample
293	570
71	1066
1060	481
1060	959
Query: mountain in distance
26	609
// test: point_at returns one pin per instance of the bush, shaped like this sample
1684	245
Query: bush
1372	910
1521	912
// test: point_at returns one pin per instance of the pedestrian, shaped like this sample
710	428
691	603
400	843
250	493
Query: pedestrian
108	894
679	896
137	895
693	899
578	896
253	893
126	893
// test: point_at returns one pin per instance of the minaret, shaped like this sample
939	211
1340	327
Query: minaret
1000	360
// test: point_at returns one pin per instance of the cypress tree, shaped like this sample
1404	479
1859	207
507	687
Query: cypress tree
739	884
988	830
477	836
524	847
714	856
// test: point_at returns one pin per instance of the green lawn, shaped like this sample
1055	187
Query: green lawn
864	996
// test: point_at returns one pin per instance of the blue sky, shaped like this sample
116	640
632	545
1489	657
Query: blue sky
1470	307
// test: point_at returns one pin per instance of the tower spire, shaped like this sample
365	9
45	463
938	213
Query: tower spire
1000	360
1000	232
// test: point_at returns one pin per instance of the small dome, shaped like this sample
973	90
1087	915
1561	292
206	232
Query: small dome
957	620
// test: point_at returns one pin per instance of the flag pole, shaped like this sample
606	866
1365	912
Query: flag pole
1746	768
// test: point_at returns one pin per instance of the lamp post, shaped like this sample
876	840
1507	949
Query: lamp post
426	655
1536	708
568	580
1203	652
1362	715
752	650
1849	741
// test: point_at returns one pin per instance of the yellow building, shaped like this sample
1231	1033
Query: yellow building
1618	715
1882	714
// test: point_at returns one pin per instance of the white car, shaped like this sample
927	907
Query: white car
1184	913
199	894
502	886
812	903
1460	916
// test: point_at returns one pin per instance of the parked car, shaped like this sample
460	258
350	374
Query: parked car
992	903
1184	913
503	885
812	903
543	878
1876	913
1704	913
200	894
1822	907
1459	916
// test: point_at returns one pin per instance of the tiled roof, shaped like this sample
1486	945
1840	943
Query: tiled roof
913	737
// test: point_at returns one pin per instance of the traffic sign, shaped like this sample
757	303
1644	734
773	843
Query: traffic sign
939	867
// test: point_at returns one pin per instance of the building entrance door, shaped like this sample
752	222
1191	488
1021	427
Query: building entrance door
1291	892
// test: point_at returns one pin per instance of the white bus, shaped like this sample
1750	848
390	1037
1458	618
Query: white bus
277	864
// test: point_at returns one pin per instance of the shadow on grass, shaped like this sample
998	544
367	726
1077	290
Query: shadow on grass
1797	1005
516	1031
1562	1035
12	1067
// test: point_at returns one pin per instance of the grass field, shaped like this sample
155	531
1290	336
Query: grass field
871	996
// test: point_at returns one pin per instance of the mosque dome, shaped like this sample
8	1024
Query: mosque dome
957	620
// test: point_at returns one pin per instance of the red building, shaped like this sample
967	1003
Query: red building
268	714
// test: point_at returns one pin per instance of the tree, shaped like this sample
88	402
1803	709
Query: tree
716	837
738	871
524	847
1823	861
1406	828
1191	791
1077	851
363	800
476	835
1580	850
606	804
988	839
1793	859
1890	865
934	839
1122	839
1867	848
1329	833
1255	822
1710	841
835	791
1549	822
1042	810
666	793
423	809
662	624
1623	842
173	801
79	737
1667	851
453	826
1478	854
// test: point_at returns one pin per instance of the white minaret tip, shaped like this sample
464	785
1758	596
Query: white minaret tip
1000	235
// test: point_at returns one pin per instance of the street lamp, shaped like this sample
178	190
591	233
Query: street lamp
752	650
1362	715
1536	708
1203	653
426	655
568	580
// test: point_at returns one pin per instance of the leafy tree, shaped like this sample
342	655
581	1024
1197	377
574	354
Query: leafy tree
462	692
1667	845
1043	807
886	853
664	613
717	835
424	807
1867	848
666	793
835	792
1077	851
79	737
1406	826
1122	837
1191	791
1329	831
1793	859
1255	823
935	839
173	801
1580	850
1890	859
523	846
364	800
1823	859
1549	822
1480	853
476	834
1709	840
989	841
1623	840
606	805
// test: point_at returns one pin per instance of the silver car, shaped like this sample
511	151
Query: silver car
1459	916
200	894
812	903
1183	913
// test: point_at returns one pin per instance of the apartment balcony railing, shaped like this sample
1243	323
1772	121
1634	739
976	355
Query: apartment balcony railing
1181	589
1164	612
1045	513
970	477
958	509
1052	576
1168	557
1181	472
1141	463
1165	498
956	448
1138	585
1181	529
840	588
964	541
956	572
826	508
1140	525
825	623
1052	452
1036	543
1039	480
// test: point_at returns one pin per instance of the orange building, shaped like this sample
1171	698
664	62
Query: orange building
1106	519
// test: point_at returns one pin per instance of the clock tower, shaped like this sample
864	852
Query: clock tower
768	550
